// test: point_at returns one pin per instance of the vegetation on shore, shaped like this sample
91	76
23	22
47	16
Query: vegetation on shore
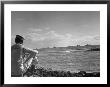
42	72
94	49
71	48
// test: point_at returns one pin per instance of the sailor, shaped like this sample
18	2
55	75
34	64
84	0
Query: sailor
21	57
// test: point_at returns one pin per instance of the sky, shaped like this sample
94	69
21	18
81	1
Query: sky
56	28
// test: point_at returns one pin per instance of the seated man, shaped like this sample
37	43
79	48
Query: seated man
21	58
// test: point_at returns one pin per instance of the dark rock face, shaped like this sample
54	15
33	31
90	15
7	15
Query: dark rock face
42	72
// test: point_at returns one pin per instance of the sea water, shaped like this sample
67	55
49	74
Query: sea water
73	61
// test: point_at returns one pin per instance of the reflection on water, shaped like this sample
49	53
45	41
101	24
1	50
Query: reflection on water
88	61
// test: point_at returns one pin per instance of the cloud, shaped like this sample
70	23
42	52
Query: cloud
87	40
43	38
97	37
47	28
36	30
50	38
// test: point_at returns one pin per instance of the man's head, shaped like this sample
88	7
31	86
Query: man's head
19	39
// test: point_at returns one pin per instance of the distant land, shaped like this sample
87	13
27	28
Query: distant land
71	48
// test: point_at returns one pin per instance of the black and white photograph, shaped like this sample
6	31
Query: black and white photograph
55	43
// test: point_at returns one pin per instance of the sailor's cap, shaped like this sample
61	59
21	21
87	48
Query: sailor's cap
20	37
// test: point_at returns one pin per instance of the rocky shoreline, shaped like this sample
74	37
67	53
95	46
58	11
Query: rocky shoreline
42	72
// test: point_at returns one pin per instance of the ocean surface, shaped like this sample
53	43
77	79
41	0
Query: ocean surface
73	61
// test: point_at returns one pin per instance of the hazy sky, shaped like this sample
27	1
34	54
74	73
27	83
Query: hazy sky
56	28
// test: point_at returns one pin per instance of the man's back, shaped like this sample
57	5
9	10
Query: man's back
15	57
19	56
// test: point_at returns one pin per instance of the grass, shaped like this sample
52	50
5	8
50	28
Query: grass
42	72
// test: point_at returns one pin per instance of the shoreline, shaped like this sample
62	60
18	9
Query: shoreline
42	72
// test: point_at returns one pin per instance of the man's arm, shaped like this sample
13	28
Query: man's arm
32	54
